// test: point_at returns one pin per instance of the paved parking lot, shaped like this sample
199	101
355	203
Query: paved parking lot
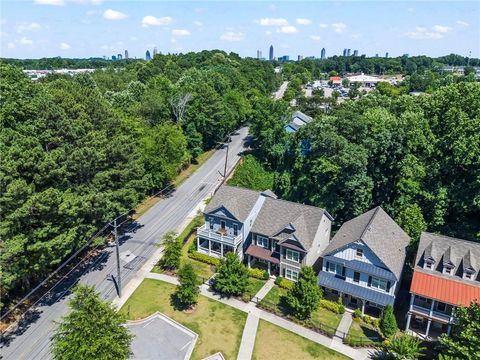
160	338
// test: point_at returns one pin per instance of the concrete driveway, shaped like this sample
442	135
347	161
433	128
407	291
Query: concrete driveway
158	337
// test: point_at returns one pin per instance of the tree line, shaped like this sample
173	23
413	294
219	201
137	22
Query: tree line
78	151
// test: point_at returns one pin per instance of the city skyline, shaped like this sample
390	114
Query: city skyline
96	28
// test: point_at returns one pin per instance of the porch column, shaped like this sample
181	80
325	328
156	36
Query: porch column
409	318
221	249
431	308
209	247
269	268
198	243
428	327
449	329
249	259
363	307
412	299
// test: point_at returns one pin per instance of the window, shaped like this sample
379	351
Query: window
356	277
468	275
235	229
335	268
293	255
441	306
379	283
359	253
448	270
262	241
222	224
291	274
211	223
428	265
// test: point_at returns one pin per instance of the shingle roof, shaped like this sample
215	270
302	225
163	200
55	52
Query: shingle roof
380	233
277	216
238	201
444	249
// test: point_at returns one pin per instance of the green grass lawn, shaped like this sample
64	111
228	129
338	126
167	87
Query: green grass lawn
219	327
254	285
273	342
363	332
321	315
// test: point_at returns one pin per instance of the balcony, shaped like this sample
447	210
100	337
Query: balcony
423	311
221	235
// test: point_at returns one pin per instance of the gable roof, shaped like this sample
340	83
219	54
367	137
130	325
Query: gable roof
380	233
238	201
462	254
281	219
298	120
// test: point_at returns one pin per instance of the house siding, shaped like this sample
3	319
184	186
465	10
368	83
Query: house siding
320	242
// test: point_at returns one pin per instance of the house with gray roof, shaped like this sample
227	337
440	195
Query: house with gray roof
298	120
363	262
277	235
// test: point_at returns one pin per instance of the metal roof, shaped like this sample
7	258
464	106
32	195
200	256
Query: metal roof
363	267
330	281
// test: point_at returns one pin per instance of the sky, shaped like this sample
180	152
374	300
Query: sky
96	28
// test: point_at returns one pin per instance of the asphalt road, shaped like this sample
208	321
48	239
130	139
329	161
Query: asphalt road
281	90
31	340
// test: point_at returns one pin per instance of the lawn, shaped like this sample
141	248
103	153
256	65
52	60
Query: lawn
218	326
273	342
363	333
254	285
321	315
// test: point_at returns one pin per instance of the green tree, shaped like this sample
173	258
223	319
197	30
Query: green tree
172	252
388	323
410	219
92	330
232	276
464	342
305	295
405	347
251	174
188	290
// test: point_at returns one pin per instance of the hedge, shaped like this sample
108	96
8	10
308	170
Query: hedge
258	273
332	306
204	258
284	283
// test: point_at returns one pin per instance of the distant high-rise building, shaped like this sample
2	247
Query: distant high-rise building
259	54
119	56
284	58
126	54
376	55
344	52
114	57
270	55
323	54
155	51
147	56
349	51
299	58
386	54
355	52
406	55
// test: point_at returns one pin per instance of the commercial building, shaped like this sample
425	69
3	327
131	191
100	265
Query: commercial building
270	54
355	52
365	80
126	54
446	275
323	54
148	56
363	263
259	54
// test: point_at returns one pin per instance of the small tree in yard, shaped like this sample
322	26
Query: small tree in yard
464	341
187	291
172	252
232	276
305	295
404	347
388	323
92	330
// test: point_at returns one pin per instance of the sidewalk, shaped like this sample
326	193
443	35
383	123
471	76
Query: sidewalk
253	311
344	326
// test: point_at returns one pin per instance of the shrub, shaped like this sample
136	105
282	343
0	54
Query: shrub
332	306
284	283
405	347
172	252
258	273
388	323
371	321
303	298
232	276
357	314
204	258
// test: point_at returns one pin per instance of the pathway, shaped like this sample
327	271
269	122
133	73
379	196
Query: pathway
253	311
344	326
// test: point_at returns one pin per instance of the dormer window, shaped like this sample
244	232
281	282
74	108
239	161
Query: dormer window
428	264
468	274
359	253
448	269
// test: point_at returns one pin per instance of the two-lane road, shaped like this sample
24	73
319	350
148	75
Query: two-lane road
32	342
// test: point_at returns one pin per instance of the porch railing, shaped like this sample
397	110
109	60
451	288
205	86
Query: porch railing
228	239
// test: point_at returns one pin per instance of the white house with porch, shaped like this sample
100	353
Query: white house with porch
363	262
277	235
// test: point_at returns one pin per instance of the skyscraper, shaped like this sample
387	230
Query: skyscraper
119	56
259	54
114	57
355	52
155	52
349	52
147	56
344	52
376	55
126	54
386	54
323	54
270	55
299	58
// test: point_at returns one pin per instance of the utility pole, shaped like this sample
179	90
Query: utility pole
119	278
226	158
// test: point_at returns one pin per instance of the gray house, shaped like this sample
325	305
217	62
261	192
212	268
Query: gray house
277	235
363	262
298	120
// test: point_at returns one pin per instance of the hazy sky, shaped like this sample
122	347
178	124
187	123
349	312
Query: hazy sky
86	28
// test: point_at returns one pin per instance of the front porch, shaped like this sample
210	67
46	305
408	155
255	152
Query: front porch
215	249
263	258
352	303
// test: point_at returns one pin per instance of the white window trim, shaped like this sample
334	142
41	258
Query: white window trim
356	253
338	268
379	282
291	277
260	241
290	255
